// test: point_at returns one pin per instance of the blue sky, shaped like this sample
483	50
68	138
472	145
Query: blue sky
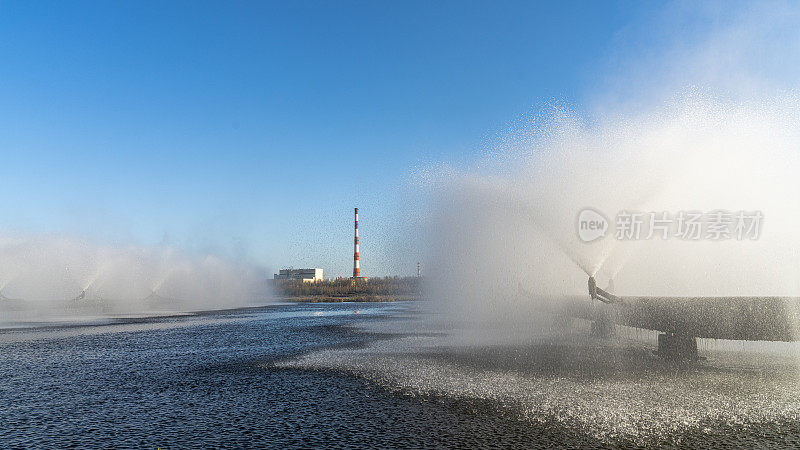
256	127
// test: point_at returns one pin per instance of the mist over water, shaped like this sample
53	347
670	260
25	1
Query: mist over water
511	222
698	120
46	277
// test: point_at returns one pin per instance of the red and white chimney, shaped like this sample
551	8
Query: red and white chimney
356	268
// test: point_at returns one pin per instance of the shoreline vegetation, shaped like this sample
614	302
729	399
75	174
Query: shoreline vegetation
386	289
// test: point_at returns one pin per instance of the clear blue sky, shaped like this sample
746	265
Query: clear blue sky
259	125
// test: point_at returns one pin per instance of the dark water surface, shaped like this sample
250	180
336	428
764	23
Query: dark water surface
227	379
207	380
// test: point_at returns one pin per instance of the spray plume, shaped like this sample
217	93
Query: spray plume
51	275
514	220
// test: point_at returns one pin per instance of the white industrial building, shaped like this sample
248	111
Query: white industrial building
306	275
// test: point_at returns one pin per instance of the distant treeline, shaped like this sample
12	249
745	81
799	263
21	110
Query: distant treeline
347	289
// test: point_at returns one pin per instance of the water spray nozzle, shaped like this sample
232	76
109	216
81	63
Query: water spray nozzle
592	288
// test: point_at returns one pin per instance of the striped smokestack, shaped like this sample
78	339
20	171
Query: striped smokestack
356	269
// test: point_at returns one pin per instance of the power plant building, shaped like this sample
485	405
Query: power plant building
305	275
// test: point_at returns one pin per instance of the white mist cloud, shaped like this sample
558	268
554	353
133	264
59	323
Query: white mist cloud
44	274
703	124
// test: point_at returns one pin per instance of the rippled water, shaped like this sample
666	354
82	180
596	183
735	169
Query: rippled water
588	391
212	379
303	375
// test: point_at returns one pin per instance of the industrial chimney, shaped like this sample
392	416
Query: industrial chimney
356	269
